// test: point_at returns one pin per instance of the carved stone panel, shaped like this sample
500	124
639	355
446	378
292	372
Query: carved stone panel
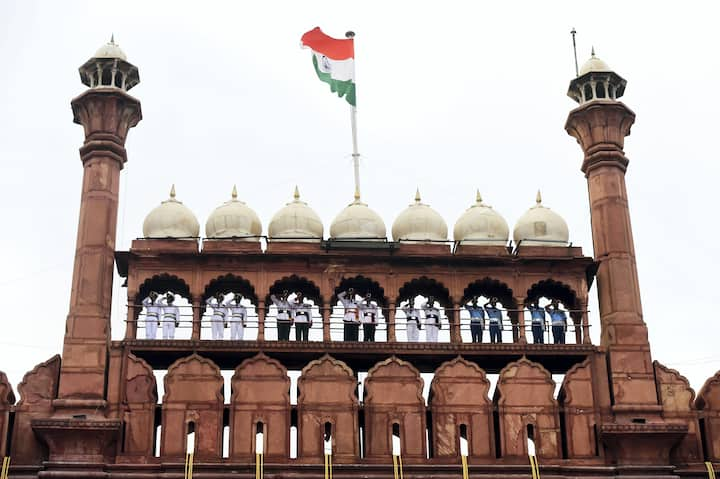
260	394
459	396
393	395
7	399
193	397
576	395
327	394
139	417
37	391
524	397
708	404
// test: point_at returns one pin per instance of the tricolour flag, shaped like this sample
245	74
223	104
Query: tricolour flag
334	62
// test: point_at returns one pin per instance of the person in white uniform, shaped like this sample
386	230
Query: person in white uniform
351	319
153	310
237	317
412	318
284	315
432	320
368	318
170	316
219	315
302	317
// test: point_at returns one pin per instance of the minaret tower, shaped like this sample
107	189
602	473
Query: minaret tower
106	111
600	125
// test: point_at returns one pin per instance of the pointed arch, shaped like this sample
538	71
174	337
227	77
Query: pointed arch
426	287
362	285
294	283
230	283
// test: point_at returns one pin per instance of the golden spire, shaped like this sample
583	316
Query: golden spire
538	198
234	192
478	196
296	194
417	195
357	193
172	191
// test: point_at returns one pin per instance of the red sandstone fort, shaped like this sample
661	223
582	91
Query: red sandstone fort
95	411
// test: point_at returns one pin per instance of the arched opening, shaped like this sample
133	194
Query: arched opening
119	79
106	79
477	301
427	307
327	439
190	438
546	293
170	290
587	92
463	438
240	297
370	316
530	431
259	438
396	442
296	289
600	89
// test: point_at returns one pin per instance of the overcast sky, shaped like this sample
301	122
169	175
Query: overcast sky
452	96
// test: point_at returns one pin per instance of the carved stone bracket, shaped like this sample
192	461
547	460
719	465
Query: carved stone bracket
80	440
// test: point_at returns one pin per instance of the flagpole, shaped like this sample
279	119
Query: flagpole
353	126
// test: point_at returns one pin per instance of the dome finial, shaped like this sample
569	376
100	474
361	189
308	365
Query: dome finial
172	191
234	192
296	194
538	198
417	195
478	196
357	193
112	38
592	51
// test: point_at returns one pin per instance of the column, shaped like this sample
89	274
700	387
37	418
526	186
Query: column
326	311
390	318
197	320
522	337
131	321
583	305
455	333
261	320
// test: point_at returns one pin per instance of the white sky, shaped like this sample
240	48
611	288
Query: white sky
452	96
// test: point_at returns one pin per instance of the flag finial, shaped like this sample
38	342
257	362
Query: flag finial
172	191
478	196
349	34
417	195
296	194
538	198
112	38
234	192
592	51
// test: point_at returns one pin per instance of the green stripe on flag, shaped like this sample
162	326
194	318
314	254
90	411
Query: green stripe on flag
342	88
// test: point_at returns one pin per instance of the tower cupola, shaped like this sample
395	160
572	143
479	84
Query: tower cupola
109	68
596	81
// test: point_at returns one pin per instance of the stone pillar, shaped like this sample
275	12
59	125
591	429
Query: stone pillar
131	322
261	320
454	317
583	305
600	127
197	319
391	310
522	334
326	311
106	115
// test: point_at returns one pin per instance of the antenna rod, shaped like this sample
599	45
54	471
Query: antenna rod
355	153
573	32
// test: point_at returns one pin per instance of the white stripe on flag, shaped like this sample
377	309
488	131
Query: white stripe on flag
341	70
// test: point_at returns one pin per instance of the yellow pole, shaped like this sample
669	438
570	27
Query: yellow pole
400	466
395	467
5	471
710	469
464	466
534	468
191	466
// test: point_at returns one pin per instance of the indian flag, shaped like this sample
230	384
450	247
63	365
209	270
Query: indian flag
334	62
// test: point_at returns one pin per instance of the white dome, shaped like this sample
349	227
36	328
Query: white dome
296	221
233	219
482	225
594	64
357	221
171	219
419	222
110	50
541	226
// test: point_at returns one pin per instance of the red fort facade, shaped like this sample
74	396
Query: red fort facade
95	411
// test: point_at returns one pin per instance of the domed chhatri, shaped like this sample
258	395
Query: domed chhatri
596	81
109	68
171	219
234	219
540	226
482	225
419	222
296	221
358	221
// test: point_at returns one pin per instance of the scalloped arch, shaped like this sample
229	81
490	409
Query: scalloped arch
489	287
161	283
362	285
553	289
426	287
230	283
295	283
